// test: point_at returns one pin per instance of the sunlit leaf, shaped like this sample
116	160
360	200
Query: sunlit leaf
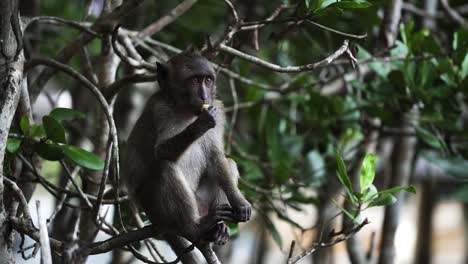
383	200
352	4
13	145
343	176
37	131
83	158
367	171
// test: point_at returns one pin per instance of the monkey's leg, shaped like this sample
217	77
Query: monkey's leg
210	198
171	204
225	171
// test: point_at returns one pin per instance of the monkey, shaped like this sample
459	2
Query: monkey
175	167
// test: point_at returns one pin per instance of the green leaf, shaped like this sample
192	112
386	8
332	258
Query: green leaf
382	200
428	138
37	131
13	145
346	212
464	68
367	172
54	130
343	177
410	189
370	193
234	228
24	125
352	4
61	114
49	151
455	166
83	158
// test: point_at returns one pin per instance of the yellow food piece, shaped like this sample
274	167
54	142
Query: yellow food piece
204	107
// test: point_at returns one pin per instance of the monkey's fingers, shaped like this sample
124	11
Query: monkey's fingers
244	213
226	218
224	207
222	235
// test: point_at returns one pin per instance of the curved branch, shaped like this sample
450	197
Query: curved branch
61	21
97	93
453	14
289	69
167	19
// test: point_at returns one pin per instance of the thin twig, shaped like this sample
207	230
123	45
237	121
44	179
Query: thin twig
102	186
86	27
19	194
175	13
80	191
133	62
289	69
453	14
337	31
46	255
235	100
320	245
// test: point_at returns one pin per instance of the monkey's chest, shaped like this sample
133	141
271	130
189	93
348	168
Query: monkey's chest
193	163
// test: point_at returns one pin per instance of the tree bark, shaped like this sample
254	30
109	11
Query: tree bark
11	75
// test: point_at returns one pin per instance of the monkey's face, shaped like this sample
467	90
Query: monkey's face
192	82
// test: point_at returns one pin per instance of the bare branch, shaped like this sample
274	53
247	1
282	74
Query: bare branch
57	21
80	191
335	241
336	31
102	187
19	194
233	11
96	92
289	69
46	255
175	13
115	87
133	62
453	14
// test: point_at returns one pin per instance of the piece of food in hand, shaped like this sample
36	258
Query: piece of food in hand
204	107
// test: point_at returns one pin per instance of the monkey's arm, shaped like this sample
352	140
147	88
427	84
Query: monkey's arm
173	148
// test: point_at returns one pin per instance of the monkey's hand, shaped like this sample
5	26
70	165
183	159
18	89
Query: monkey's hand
207	119
242	211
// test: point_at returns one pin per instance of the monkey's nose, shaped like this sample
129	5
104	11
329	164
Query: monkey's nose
203	95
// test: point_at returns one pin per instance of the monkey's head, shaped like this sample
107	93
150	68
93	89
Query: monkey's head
189	79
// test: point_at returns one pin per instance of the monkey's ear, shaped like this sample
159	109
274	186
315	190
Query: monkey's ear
162	72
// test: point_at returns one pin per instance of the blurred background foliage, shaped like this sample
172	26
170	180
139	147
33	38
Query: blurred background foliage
285	142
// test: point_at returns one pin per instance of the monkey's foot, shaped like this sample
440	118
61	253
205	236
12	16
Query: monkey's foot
219	234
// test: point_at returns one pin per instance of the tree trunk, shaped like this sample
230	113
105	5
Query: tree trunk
426	209
402	160
11	75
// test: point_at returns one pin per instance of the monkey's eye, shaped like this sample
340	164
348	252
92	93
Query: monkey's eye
208	81
194	81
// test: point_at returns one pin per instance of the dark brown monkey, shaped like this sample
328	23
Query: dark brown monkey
175	167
